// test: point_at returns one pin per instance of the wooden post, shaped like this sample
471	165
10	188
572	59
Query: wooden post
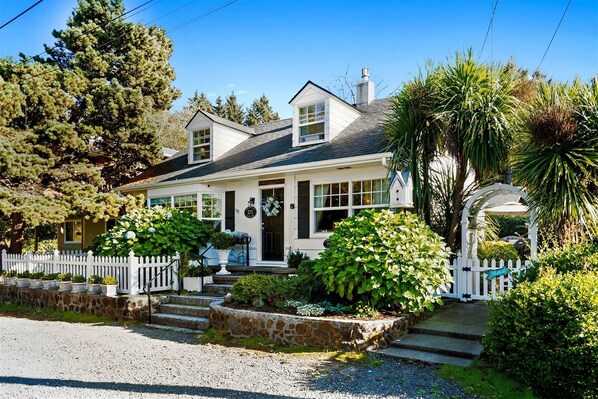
3	265
133	274
176	274
28	261
89	270
55	260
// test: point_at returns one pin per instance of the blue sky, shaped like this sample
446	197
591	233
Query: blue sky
274	47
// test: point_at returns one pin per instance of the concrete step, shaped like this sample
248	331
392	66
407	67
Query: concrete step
185	310
171	328
237	268
194	300
449	346
190	322
227	279
424	357
221	289
431	327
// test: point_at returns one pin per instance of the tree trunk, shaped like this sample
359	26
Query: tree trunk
457	203
17	233
427	197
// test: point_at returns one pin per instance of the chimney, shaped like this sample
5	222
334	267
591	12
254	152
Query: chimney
366	90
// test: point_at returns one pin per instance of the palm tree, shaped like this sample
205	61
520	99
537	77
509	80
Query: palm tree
414	134
558	163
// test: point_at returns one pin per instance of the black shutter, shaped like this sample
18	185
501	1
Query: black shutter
303	209
229	210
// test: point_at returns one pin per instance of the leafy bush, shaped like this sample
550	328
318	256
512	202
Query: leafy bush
579	257
545	334
110	280
258	289
294	259
77	278
510	225
95	279
309	286
64	277
36	275
497	250
197	271
222	240
310	309
385	260
153	232
24	274
11	273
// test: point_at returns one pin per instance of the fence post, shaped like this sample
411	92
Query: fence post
55	260
89	270
133	274
3	264
28	261
175	285
460	278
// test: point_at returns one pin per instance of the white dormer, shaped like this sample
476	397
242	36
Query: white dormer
318	115
211	136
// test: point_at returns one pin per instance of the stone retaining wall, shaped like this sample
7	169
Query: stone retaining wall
121	307
309	331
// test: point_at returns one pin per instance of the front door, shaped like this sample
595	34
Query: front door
273	224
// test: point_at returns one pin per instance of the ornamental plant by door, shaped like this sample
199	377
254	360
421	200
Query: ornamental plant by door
223	242
192	280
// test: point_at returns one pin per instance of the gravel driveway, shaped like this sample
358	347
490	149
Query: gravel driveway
40	359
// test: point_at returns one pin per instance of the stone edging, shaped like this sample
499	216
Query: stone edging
311	331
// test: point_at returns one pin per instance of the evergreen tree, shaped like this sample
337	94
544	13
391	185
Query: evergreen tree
199	102
260	111
120	77
232	110
219	107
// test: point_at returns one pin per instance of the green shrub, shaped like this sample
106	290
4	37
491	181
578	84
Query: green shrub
36	275
64	277
110	280
545	334
294	259
498	250
578	257
11	273
24	274
222	240
309	286
95	279
259	289
77	278
197	271
510	225
153	232
385	260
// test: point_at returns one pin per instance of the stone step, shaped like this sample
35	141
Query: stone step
221	289
463	331
194	300
171	328
237	268
227	279
190	322
185	310
449	346
420	356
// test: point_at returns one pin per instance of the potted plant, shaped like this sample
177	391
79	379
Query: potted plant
94	284
78	284
35	280
3	276
64	281
223	243
23	279
49	281
109	286
11	278
192	276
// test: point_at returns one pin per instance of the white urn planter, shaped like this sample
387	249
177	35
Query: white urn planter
10	281
223	260
78	288
109	290
49	284
194	283
22	282
35	283
94	289
64	286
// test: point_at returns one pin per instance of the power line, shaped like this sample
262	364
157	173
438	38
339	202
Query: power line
20	14
489	28
553	35
201	16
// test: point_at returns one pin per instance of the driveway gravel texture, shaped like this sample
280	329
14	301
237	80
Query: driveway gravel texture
43	359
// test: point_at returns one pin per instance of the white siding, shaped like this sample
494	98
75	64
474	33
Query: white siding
340	116
225	139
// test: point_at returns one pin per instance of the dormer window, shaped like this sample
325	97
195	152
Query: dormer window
311	123
201	148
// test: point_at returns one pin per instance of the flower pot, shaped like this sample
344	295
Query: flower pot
78	288
35	283
22	282
64	286
109	290
223	260
10	281
94	289
49	284
194	283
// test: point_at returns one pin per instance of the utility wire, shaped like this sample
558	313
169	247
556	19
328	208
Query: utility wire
553	35
15	18
489	28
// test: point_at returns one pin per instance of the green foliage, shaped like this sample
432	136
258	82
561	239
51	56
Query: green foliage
8	308
64	277
77	278
153	232
570	258
310	286
95	279
222	240
11	273
259	289
497	250
294	259
232	110
385	260
110	280
36	275
260	111
24	274
510	225
545	334
310	309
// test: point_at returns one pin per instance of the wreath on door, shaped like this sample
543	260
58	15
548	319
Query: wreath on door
271	206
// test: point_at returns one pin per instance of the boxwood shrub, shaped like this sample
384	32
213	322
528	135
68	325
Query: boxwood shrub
259	289
497	250
385	260
545	334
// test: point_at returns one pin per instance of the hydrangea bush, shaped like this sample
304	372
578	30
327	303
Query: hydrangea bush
385	260
153	232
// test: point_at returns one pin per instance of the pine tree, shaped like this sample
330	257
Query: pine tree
199	102
232	110
260	111
219	107
120	77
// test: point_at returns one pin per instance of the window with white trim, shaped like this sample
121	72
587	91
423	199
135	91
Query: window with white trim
312	123
333	202
164	202
186	202
200	147
73	231
211	210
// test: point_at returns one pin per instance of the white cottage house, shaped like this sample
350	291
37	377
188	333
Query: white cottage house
287	182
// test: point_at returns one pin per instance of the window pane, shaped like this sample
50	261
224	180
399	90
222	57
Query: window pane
344	200
356	199
325	219
186	203
211	206
160	201
374	192
317	202
73	231
215	225
311	132
201	153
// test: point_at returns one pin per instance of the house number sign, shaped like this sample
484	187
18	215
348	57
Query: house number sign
250	212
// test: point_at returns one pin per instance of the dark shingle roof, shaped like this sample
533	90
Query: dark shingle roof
272	146
223	121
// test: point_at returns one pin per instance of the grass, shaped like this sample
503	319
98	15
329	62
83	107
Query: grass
483	381
14	310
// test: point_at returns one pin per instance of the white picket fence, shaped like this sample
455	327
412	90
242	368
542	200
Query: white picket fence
131	272
470	278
